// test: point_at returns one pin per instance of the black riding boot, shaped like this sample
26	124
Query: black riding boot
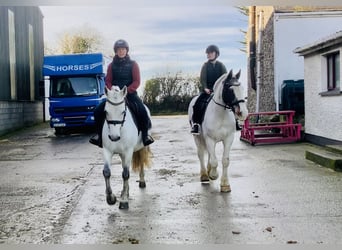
96	140
146	138
144	122
196	118
198	112
237	125
195	129
99	121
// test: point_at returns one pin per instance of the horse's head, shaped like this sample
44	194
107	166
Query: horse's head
115	109
233	94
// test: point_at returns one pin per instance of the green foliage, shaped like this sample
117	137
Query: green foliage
151	91
170	93
244	10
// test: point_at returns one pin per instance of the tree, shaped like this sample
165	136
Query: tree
170	93
84	39
151	91
170	85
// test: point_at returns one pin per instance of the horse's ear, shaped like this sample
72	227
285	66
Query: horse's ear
106	90
237	76
230	75
124	91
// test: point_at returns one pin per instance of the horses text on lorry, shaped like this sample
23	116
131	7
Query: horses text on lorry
76	87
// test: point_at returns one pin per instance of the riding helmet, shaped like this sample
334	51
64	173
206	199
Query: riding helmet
121	44
213	48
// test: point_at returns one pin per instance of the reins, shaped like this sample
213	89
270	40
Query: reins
227	106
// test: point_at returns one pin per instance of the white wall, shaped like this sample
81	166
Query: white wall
323	115
292	30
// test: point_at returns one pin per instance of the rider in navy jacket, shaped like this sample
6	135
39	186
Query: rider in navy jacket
210	72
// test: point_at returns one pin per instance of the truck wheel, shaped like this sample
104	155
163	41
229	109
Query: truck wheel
59	131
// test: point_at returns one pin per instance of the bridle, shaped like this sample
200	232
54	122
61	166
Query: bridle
117	122
230	105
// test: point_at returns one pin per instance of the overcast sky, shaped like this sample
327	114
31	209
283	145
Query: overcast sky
162	37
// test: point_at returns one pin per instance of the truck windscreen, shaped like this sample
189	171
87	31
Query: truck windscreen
73	86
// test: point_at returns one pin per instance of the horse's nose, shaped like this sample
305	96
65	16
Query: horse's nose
114	138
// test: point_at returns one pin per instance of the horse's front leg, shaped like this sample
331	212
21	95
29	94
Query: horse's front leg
212	160
126	162
125	189
225	186
110	197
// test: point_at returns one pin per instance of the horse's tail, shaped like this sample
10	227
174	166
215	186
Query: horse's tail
141	158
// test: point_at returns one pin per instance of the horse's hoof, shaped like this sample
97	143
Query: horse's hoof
123	205
212	173
204	178
211	177
142	184
225	189
111	199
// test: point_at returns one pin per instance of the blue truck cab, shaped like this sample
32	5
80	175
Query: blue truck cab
76	87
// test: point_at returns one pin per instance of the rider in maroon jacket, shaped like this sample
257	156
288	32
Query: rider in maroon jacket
123	71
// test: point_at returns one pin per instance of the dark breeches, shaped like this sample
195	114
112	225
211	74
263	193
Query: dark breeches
200	107
140	111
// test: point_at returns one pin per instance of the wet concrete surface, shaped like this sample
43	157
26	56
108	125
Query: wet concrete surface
52	191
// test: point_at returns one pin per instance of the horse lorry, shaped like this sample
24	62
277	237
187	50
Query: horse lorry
76	87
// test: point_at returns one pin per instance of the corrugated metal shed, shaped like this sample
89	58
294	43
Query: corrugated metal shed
23	17
21	53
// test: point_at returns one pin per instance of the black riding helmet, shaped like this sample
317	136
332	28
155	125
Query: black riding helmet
121	44
213	48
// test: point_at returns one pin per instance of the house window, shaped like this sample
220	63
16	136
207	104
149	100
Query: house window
333	71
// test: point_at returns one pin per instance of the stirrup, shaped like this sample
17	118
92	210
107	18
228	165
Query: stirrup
195	129
148	140
96	141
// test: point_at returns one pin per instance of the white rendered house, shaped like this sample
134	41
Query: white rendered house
322	89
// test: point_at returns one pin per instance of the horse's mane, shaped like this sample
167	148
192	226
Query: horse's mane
218	81
224	77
